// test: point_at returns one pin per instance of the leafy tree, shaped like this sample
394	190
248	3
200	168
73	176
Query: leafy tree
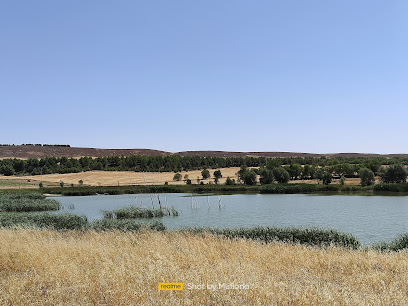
342	180
217	176
281	175
188	181
273	163
177	177
205	174
367	177
295	170
266	176
249	177
186	177
61	184
7	170
242	171
80	182
326	178
393	174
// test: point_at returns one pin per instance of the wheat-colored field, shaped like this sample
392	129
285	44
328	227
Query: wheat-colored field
127	178
115	178
116	268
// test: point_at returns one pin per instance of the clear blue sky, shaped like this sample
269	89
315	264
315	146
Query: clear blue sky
311	76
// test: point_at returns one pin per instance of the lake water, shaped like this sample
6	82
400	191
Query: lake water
370	219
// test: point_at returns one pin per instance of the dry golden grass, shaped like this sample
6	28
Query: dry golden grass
113	178
113	268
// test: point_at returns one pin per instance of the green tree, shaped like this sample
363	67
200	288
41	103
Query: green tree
367	176
249	177
205	174
188	181
61	184
393	174
295	170
281	175
326	178
177	177
7	170
266	176
241	172
217	176
81	182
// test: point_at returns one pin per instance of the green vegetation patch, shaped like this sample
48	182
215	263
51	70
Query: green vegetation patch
124	225
64	221
311	236
139	212
26	202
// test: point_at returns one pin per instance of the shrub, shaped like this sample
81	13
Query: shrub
229	181
205	174
177	177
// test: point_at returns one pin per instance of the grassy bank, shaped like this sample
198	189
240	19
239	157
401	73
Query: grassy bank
117	268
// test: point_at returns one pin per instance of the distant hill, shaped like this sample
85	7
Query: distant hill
30	151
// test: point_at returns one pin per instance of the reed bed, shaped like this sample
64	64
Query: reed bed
26	202
307	236
63	221
124	268
139	212
124	225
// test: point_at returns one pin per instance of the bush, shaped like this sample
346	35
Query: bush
177	177
229	181
205	174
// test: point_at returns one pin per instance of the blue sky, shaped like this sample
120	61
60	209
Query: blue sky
310	76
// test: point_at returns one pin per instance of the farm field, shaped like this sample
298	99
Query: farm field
118	268
122	178
127	178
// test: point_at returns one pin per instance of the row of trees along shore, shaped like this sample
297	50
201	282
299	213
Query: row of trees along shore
270	170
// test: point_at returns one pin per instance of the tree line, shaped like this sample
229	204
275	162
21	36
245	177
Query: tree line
269	170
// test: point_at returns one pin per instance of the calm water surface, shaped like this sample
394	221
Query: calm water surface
370	219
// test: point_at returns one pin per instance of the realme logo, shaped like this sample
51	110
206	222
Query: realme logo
170	286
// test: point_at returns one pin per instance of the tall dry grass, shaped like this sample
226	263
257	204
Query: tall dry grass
116	268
